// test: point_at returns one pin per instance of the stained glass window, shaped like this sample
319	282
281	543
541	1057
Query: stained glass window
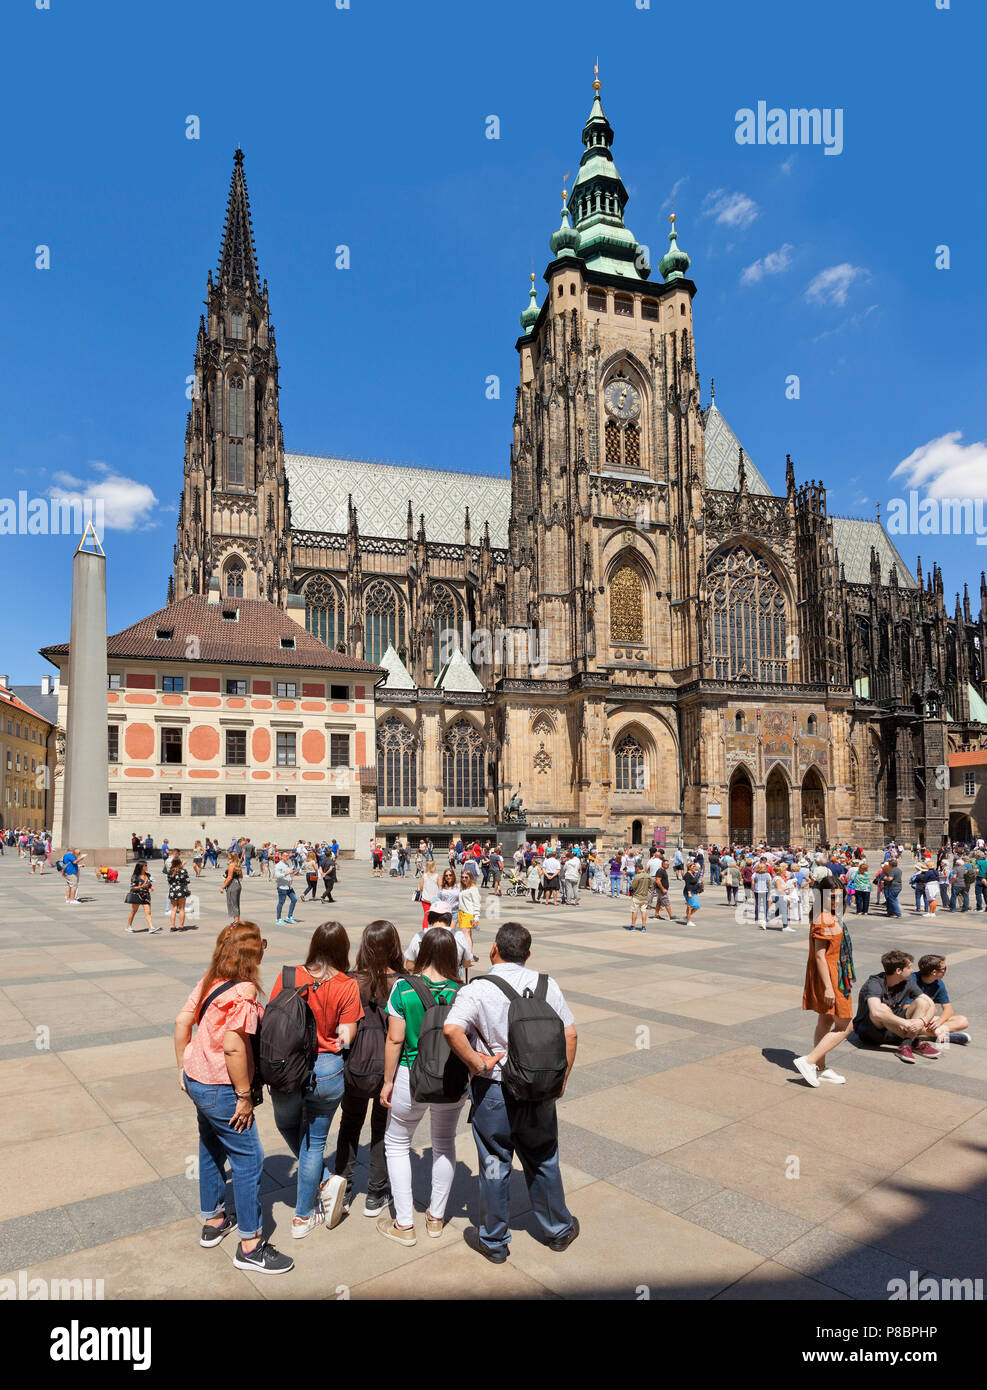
463	768
397	766
748	621
446	635
629	756
234	581
324	610
383	620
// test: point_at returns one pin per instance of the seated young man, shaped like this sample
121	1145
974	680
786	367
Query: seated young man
891	1008
946	1026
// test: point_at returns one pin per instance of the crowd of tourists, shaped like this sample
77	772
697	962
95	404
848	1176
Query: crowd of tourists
398	1038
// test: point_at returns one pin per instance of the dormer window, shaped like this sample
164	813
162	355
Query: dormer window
231	615
164	634
288	644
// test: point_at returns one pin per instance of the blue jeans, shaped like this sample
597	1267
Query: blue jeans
309	1144
891	899
981	891
615	885
286	892
760	906
502	1127
781	905
248	860
218	1142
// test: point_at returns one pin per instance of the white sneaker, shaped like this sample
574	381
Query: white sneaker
152	930
807	1070
788	928
830	1075
130	928
299	1230
332	1193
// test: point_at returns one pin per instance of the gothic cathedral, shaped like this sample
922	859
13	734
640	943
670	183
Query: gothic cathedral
631	628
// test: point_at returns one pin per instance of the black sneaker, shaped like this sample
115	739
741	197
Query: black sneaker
472	1238
563	1242
376	1203
263	1259
212	1235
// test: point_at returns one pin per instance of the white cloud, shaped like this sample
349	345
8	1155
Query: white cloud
832	285
126	503
946	468
774	263
854	321
788	164
730	209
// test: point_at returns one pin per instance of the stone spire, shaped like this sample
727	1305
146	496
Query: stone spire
237	258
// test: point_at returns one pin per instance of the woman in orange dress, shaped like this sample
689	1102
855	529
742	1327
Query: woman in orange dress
829	977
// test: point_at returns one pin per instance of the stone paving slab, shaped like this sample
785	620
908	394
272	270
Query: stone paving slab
697	1161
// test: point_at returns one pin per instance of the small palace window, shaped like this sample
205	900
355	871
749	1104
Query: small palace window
112	808
969	784
236	805
176	684
171	745
339	805
236	687
286	750
339	692
171	804
236	747
339	750
287	690
286	805
114	680
113	743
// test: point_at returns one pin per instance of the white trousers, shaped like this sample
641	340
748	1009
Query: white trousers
402	1121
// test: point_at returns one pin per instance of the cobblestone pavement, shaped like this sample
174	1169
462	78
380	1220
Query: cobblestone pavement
698	1162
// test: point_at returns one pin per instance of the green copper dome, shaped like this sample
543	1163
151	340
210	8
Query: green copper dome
597	204
529	316
565	241
674	264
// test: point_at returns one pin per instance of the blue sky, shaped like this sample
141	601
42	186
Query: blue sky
366	127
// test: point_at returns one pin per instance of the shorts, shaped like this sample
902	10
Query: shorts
876	1037
495	875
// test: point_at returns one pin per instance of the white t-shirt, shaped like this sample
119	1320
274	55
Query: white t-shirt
463	952
551	866
480	1007
654	864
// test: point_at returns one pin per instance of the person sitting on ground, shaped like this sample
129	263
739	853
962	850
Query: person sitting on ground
892	1008
947	1026
639	894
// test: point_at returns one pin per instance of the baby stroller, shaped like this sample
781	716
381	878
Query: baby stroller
516	884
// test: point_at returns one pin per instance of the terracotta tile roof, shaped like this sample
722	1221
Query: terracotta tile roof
9	701
254	639
978	758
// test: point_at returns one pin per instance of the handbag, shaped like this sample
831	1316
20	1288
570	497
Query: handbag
418	895
133	897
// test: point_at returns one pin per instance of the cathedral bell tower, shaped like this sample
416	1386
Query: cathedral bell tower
234	518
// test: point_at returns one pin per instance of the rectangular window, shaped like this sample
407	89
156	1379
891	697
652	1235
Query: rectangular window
202	807
234	474
32	798
623	306
171	804
286	805
171	745
339	692
113	804
339	750
113	742
287	690
286	750
969	784
236	747
10	760
339	805
236	687
649	308
114	680
175	684
17	762
597	300
236	805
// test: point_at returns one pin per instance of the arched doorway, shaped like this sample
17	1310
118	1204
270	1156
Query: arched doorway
813	809
637	833
776	805
741	809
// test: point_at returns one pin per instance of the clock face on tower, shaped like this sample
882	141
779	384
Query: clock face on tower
623	401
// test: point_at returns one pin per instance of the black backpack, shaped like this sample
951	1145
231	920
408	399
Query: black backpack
289	1042
536	1062
363	1070
438	1076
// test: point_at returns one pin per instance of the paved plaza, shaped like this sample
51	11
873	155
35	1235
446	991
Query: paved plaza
698	1162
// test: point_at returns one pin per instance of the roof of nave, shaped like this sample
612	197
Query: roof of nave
319	489
854	538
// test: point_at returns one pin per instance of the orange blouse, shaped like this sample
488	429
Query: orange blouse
203	1059
828	929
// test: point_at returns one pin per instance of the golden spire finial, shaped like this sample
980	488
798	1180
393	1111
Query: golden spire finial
564	192
596	76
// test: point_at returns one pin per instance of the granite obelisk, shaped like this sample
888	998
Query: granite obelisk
85	823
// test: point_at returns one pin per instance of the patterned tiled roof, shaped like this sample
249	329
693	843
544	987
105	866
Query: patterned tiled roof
319	488
398	675
723	456
252	639
854	538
